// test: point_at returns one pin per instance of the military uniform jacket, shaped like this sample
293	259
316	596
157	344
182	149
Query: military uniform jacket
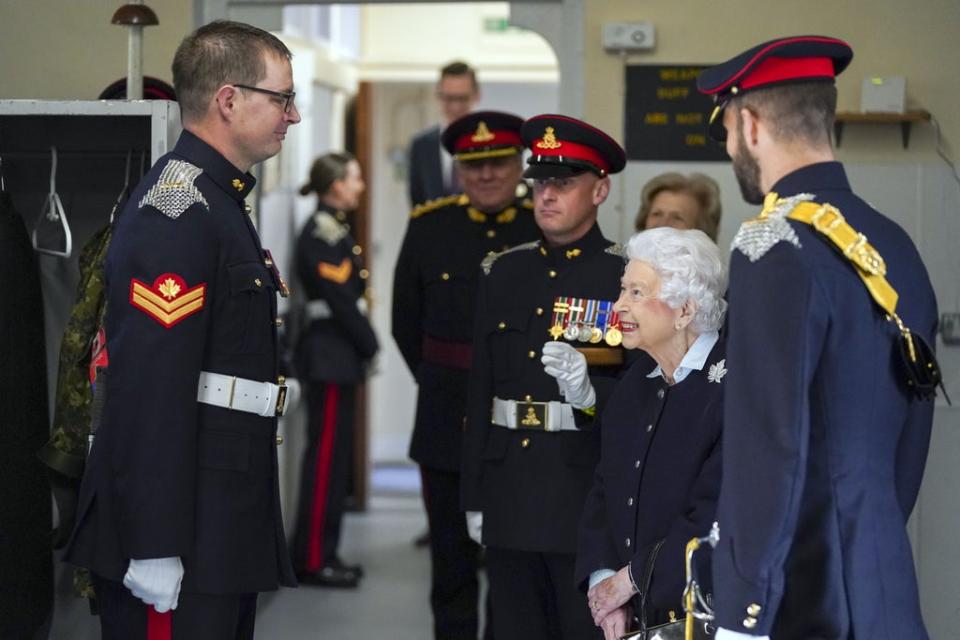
188	290
823	447
530	484
658	478
434	301
337	347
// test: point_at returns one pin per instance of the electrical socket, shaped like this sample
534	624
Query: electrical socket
950	327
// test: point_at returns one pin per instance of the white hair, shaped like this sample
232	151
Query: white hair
689	266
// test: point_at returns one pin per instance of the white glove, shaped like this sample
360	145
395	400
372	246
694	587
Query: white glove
156	581
726	634
475	526
569	367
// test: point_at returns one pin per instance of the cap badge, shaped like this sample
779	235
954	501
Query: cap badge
482	133
549	140
237	184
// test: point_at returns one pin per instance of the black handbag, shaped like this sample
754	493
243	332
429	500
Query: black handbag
673	630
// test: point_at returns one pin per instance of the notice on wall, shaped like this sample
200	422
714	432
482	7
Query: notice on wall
665	117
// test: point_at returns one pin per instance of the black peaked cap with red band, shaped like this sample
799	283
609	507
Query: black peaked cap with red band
562	146
777	62
483	134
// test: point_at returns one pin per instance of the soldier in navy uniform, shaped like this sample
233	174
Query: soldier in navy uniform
179	510
529	451
825	433
434	296
332	357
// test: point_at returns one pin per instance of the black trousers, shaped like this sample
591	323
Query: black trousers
535	599
325	474
454	560
211	617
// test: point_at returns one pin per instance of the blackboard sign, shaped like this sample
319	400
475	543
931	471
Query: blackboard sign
666	117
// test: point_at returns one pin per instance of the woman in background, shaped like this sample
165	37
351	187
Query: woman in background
682	202
332	356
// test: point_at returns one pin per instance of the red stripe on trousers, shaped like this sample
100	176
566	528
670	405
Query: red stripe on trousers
159	624
321	480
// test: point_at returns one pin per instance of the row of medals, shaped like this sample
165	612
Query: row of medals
591	334
586	332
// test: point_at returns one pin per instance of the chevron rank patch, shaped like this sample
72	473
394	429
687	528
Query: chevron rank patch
168	300
335	273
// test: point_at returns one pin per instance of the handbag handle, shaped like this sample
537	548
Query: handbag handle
646	580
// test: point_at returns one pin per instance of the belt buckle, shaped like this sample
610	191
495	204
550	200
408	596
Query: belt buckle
532	415
281	397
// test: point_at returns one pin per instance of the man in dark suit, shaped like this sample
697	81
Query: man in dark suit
432	170
825	434
179	505
434	293
529	452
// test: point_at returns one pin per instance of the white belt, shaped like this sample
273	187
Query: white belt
230	392
544	416
320	309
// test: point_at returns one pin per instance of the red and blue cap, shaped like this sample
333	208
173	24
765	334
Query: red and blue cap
562	147
483	134
777	62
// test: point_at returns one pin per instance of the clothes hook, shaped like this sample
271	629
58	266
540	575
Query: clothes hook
52	211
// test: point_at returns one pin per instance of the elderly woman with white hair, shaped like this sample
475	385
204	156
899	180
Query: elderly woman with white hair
658	479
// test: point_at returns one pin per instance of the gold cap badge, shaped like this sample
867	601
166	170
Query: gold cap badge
549	140
482	133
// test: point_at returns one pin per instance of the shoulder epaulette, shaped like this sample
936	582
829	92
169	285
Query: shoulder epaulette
327	228
616	249
758	235
175	191
487	263
433	205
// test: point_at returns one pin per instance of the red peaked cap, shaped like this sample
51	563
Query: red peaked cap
483	134
781	61
561	146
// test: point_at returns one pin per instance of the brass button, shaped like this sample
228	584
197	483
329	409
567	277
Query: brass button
543	251
281	380
364	274
247	209
553	274
258	282
539	311
627	542
445	276
629	502
279	440
531	354
502	326
357	249
525	443
528	398
636	465
660	393
753	610
268	262
491	233
649	428
749	622
278	322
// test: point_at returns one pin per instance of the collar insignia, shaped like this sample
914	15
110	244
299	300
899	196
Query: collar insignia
238	184
717	371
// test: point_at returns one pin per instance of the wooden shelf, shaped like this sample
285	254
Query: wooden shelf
903	119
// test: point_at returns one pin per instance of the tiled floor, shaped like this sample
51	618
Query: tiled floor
391	603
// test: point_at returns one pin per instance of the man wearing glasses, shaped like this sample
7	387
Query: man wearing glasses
433	173
179	512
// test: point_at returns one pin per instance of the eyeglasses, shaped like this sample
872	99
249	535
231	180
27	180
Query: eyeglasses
286	97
